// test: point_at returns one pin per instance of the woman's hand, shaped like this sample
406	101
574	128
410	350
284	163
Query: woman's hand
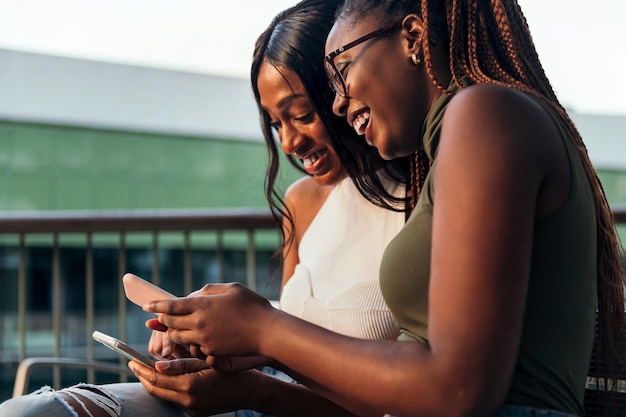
192	385
161	346
221	319
200	391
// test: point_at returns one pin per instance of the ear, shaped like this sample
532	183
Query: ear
412	31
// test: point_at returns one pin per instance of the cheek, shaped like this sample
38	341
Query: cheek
320	134
402	117
336	162
392	135
335	172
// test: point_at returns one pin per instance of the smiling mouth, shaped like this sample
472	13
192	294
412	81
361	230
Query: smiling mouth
309	160
360	122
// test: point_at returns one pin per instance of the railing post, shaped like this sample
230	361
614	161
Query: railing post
187	264
121	297
56	307
251	262
219	255
156	278
89	304
21	298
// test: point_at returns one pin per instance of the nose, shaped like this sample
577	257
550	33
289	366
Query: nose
290	139
340	105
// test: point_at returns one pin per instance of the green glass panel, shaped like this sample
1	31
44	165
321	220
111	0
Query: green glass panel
151	162
33	151
28	193
6	150
5	200
73	194
197	194
73	156
155	196
81	168
614	183
111	195
113	156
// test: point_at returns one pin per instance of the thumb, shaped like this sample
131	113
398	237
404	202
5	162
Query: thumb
181	366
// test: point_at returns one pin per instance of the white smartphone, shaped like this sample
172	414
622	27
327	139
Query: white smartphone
140	291
122	348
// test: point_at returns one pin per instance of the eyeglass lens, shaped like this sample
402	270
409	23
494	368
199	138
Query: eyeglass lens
335	78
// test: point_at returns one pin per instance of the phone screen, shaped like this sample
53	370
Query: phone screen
122	348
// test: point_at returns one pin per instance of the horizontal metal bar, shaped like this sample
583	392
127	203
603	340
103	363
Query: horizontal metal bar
619	213
28	365
135	221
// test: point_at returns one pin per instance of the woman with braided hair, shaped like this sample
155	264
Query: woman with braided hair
497	275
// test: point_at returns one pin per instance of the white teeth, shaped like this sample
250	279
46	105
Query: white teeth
360	122
311	159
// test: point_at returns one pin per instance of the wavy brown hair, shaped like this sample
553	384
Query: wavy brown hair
295	40
490	42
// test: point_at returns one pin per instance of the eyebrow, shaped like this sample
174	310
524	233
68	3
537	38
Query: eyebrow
285	100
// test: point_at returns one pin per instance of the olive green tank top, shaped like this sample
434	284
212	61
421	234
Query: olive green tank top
559	319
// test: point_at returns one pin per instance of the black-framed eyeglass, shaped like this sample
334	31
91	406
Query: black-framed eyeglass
335	78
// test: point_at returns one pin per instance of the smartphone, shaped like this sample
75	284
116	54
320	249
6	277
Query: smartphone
140	291
122	348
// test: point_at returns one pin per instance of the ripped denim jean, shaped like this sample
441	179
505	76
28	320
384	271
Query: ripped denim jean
114	400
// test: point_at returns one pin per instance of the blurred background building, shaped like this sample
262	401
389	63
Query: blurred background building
78	134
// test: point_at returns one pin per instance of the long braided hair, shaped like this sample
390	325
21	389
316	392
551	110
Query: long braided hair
490	42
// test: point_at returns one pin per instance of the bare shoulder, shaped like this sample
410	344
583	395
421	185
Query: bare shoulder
510	141
501	119
498	105
305	191
304	198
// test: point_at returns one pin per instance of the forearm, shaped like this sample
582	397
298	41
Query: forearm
368	377
352	406
276	397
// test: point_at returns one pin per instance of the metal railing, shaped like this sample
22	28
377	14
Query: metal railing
619	213
118	225
121	224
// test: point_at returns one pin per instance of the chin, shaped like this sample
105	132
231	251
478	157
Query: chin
326	179
384	153
386	157
393	153
330	178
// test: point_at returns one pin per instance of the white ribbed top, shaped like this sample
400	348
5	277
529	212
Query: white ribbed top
335	285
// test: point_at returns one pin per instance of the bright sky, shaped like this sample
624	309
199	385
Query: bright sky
580	43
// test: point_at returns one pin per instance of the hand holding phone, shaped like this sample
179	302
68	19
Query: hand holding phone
141	292
122	348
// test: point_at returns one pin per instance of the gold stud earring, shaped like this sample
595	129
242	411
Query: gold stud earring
415	59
